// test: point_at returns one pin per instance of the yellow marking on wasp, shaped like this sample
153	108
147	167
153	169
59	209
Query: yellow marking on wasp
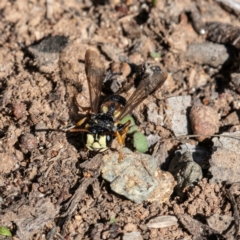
116	113
90	139
103	141
100	144
105	109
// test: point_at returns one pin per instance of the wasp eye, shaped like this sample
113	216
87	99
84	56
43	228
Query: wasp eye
93	130
108	138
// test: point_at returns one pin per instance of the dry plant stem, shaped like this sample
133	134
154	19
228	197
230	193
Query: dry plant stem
73	203
200	135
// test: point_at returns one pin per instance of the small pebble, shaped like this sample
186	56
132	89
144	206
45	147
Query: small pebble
185	171
219	223
130	227
176	114
132	235
204	121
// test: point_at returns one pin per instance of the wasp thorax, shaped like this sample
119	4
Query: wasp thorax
97	142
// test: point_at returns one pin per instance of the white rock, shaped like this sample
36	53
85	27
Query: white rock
176	112
132	235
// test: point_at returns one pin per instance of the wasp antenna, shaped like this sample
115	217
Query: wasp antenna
50	130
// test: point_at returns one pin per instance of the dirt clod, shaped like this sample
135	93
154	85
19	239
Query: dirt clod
8	162
19	110
28	143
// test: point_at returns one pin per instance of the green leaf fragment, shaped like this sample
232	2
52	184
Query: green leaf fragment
5	232
132	127
112	220
126	118
155	54
140	142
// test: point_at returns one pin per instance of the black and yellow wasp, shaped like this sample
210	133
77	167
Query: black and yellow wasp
102	123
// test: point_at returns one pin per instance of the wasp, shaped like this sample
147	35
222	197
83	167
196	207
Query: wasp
102	124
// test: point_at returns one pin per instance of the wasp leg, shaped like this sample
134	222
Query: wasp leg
121	136
79	123
120	141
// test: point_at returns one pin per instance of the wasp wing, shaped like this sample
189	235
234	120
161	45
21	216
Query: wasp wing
95	71
152	78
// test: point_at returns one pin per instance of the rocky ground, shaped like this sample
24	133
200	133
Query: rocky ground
51	187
